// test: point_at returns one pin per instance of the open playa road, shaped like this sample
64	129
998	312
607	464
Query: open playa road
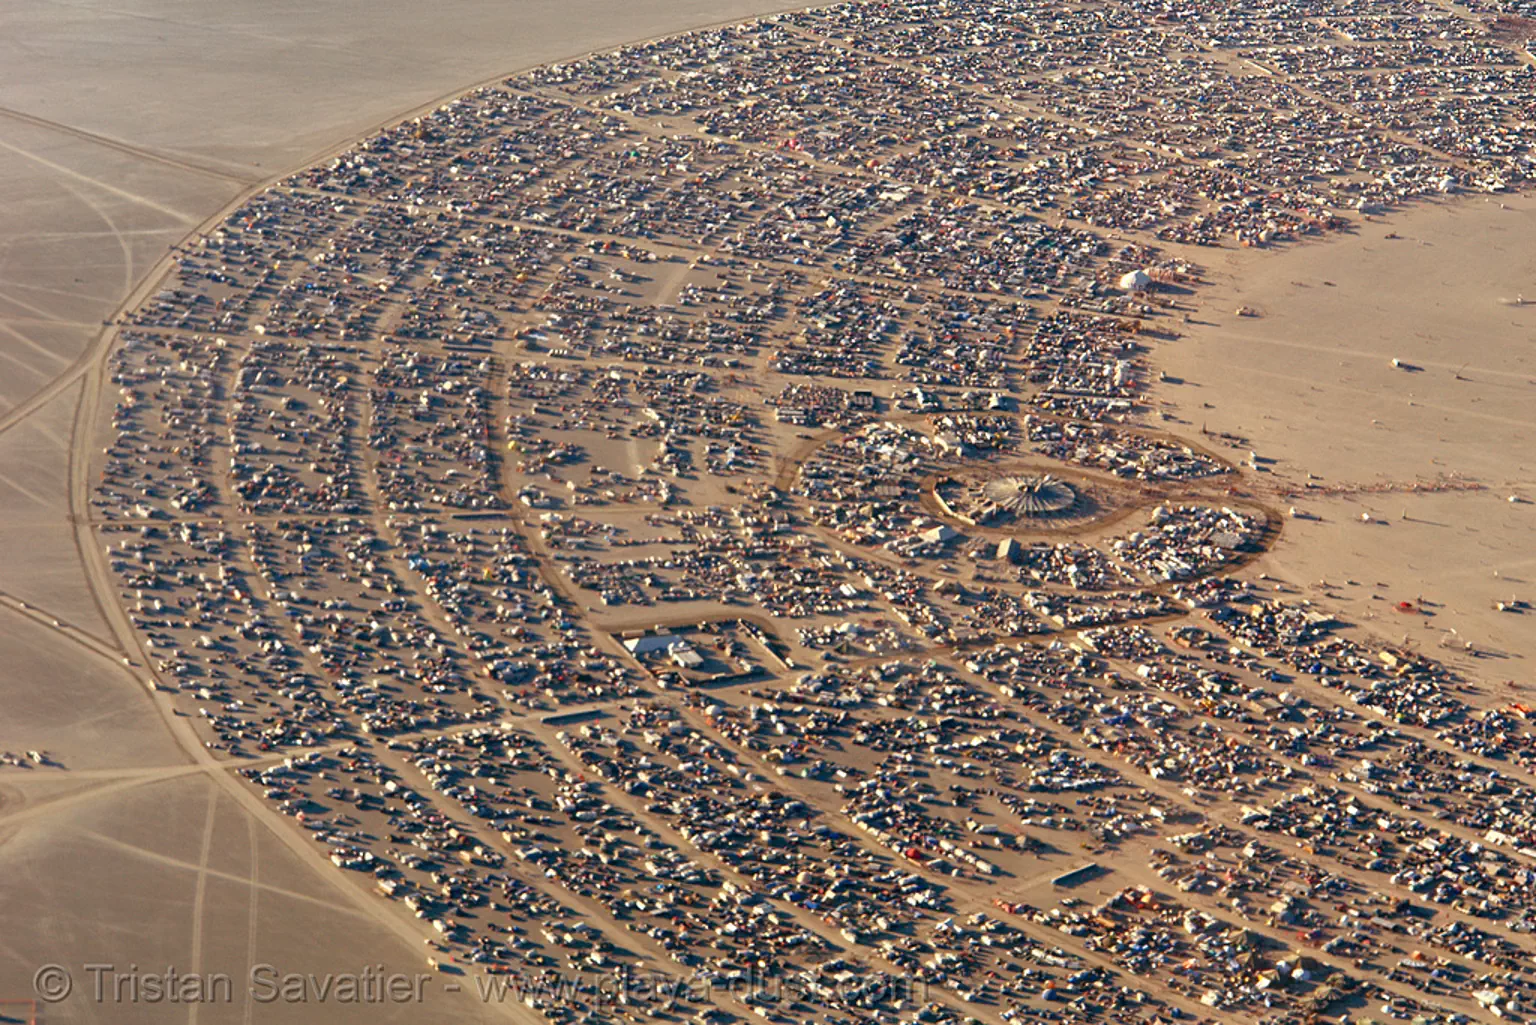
123	128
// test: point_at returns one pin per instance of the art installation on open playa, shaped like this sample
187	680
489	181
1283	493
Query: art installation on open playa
955	512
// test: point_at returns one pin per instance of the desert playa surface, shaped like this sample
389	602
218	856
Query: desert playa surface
1389	363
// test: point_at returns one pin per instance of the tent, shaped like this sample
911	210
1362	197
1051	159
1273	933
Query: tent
1136	281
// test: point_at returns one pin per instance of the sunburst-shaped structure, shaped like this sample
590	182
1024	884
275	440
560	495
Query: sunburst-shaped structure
1032	496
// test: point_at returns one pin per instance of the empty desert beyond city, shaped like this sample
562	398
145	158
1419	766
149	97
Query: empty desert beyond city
955	512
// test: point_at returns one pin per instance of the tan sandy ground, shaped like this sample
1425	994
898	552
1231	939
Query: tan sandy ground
1310	382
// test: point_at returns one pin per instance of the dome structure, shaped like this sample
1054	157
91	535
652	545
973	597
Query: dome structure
1136	281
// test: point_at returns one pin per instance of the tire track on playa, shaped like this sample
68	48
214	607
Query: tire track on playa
21	489
43	314
17	361
56	804
90	642
200	895
120	146
213	873
47	353
179	215
48	393
117	233
251	931
43	321
66	293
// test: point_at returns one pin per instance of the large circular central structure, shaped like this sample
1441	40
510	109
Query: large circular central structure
1032	496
